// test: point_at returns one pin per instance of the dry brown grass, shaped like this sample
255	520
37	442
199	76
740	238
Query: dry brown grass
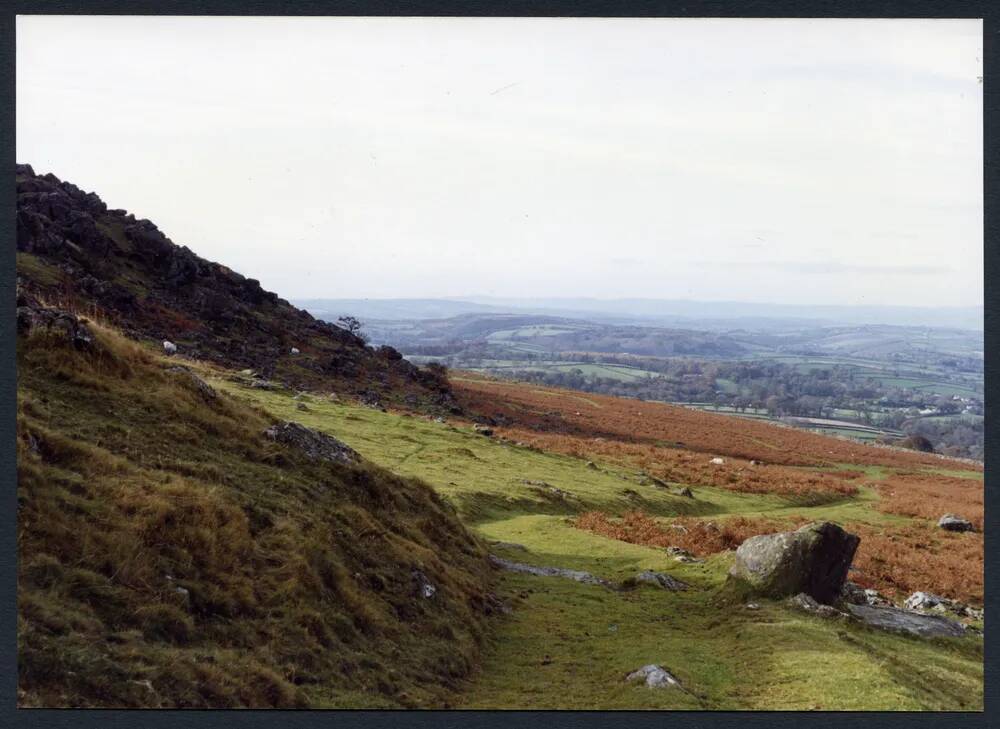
700	537
929	496
896	560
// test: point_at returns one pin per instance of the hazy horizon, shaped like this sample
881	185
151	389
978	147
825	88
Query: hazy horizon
786	162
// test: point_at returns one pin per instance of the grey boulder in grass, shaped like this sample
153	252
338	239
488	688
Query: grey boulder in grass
812	560
315	445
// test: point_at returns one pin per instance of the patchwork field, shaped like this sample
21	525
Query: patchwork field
592	483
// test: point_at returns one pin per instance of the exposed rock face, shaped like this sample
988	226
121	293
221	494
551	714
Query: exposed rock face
906	621
317	446
72	247
654	677
813	560
33	317
954	523
661	580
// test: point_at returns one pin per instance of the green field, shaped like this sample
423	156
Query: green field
569	645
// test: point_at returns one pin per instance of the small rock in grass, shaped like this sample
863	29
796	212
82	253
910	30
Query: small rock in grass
660	580
591	465
654	677
686	492
717	461
752	606
807	603
954	523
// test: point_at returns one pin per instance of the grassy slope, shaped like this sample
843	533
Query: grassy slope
298	576
569	645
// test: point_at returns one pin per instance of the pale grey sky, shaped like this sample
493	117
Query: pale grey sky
790	161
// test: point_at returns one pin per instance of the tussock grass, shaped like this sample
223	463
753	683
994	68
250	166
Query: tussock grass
171	556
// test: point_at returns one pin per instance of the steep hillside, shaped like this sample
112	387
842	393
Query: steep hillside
72	249
171	555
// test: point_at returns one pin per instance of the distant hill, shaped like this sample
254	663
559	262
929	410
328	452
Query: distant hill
669	312
73	250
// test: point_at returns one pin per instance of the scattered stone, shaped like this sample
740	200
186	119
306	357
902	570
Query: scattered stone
169	347
259	384
686	492
752	606
317	446
577	575
927	601
591	465
954	523
333	397
301	406
295	350
717	461
754	463
661	580
204	389
678	552
813	559
906	621
654	677
807	603
853	594
483	429
876	599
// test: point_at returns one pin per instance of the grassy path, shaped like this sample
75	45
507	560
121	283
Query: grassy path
570	645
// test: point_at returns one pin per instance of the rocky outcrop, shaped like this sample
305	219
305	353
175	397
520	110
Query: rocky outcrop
32	317
315	445
73	249
813	559
926	601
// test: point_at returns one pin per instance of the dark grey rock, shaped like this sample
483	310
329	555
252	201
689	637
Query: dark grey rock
206	391
906	621
954	523
661	580
316	446
577	575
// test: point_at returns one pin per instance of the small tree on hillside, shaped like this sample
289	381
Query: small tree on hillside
353	325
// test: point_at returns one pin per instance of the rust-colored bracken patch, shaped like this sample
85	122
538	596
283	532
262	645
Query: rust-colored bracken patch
896	560
929	496
582	417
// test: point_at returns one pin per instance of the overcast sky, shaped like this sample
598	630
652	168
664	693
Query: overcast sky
789	161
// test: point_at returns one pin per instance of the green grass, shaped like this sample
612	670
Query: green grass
569	645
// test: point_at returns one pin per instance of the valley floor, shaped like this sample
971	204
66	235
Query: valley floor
569	645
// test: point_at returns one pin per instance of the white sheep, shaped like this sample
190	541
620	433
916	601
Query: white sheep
295	350
169	347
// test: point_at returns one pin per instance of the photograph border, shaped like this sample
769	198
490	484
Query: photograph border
11	716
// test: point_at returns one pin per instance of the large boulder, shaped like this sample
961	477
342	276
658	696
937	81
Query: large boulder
813	559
